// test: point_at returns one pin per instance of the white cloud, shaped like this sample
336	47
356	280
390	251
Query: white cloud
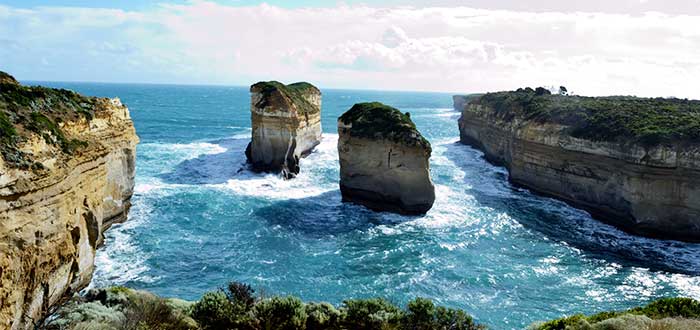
431	48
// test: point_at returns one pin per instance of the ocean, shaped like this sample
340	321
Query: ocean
505	255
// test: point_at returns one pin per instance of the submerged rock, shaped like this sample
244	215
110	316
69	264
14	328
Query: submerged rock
67	165
286	121
632	162
384	160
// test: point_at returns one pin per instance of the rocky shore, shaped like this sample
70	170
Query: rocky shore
286	122
632	162
384	160
66	175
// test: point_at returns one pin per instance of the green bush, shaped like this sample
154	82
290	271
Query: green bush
280	313
422	314
370	314
214	311
239	308
659	309
321	316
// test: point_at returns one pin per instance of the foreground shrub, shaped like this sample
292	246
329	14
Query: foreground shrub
281	313
147	311
237	307
320	316
371	314
662	314
120	308
422	314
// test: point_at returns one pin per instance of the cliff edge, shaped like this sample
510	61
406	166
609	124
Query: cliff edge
286	122
632	162
66	174
384	160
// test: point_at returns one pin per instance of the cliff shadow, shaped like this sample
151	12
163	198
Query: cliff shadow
214	168
324	215
560	222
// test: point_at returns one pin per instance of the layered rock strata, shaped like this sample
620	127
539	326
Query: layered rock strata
632	162
384	160
66	175
286	122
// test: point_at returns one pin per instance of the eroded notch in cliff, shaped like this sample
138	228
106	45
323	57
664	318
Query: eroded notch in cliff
93	228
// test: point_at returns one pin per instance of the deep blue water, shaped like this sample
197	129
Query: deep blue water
507	256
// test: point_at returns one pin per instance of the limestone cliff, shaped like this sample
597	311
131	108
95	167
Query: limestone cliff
632	162
384	160
286	121
66	175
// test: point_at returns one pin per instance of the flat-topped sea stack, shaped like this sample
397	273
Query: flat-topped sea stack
384	160
632	162
286	121
66	174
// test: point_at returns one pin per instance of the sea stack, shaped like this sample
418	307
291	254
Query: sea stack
66	174
632	162
384	160
286	121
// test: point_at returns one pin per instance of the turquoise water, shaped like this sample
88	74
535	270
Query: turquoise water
507	256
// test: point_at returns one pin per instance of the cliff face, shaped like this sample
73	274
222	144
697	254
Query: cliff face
651	189
384	160
66	175
286	121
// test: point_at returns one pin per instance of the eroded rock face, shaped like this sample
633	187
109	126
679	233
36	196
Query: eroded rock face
286	121
57	197
648	190
384	160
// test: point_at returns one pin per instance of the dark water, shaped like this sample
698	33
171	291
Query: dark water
505	255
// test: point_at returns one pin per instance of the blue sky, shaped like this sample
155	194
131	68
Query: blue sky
632	47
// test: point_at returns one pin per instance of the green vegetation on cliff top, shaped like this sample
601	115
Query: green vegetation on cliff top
664	308
28	110
377	120
295	92
238	307
649	121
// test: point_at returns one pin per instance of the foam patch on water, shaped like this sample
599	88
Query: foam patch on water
121	260
312	180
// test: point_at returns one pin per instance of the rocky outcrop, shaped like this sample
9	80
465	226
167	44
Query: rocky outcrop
66	175
286	121
384	160
625	160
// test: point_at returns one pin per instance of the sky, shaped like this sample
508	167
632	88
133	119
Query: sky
611	47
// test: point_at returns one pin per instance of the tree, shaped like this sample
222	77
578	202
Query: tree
563	90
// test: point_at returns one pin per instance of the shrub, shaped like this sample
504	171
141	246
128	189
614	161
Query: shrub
659	309
241	294
152	313
422	314
371	314
214	311
281	313
321	316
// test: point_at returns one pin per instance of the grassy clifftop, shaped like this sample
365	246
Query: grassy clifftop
377	120
294	92
663	314
649	121
28	110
